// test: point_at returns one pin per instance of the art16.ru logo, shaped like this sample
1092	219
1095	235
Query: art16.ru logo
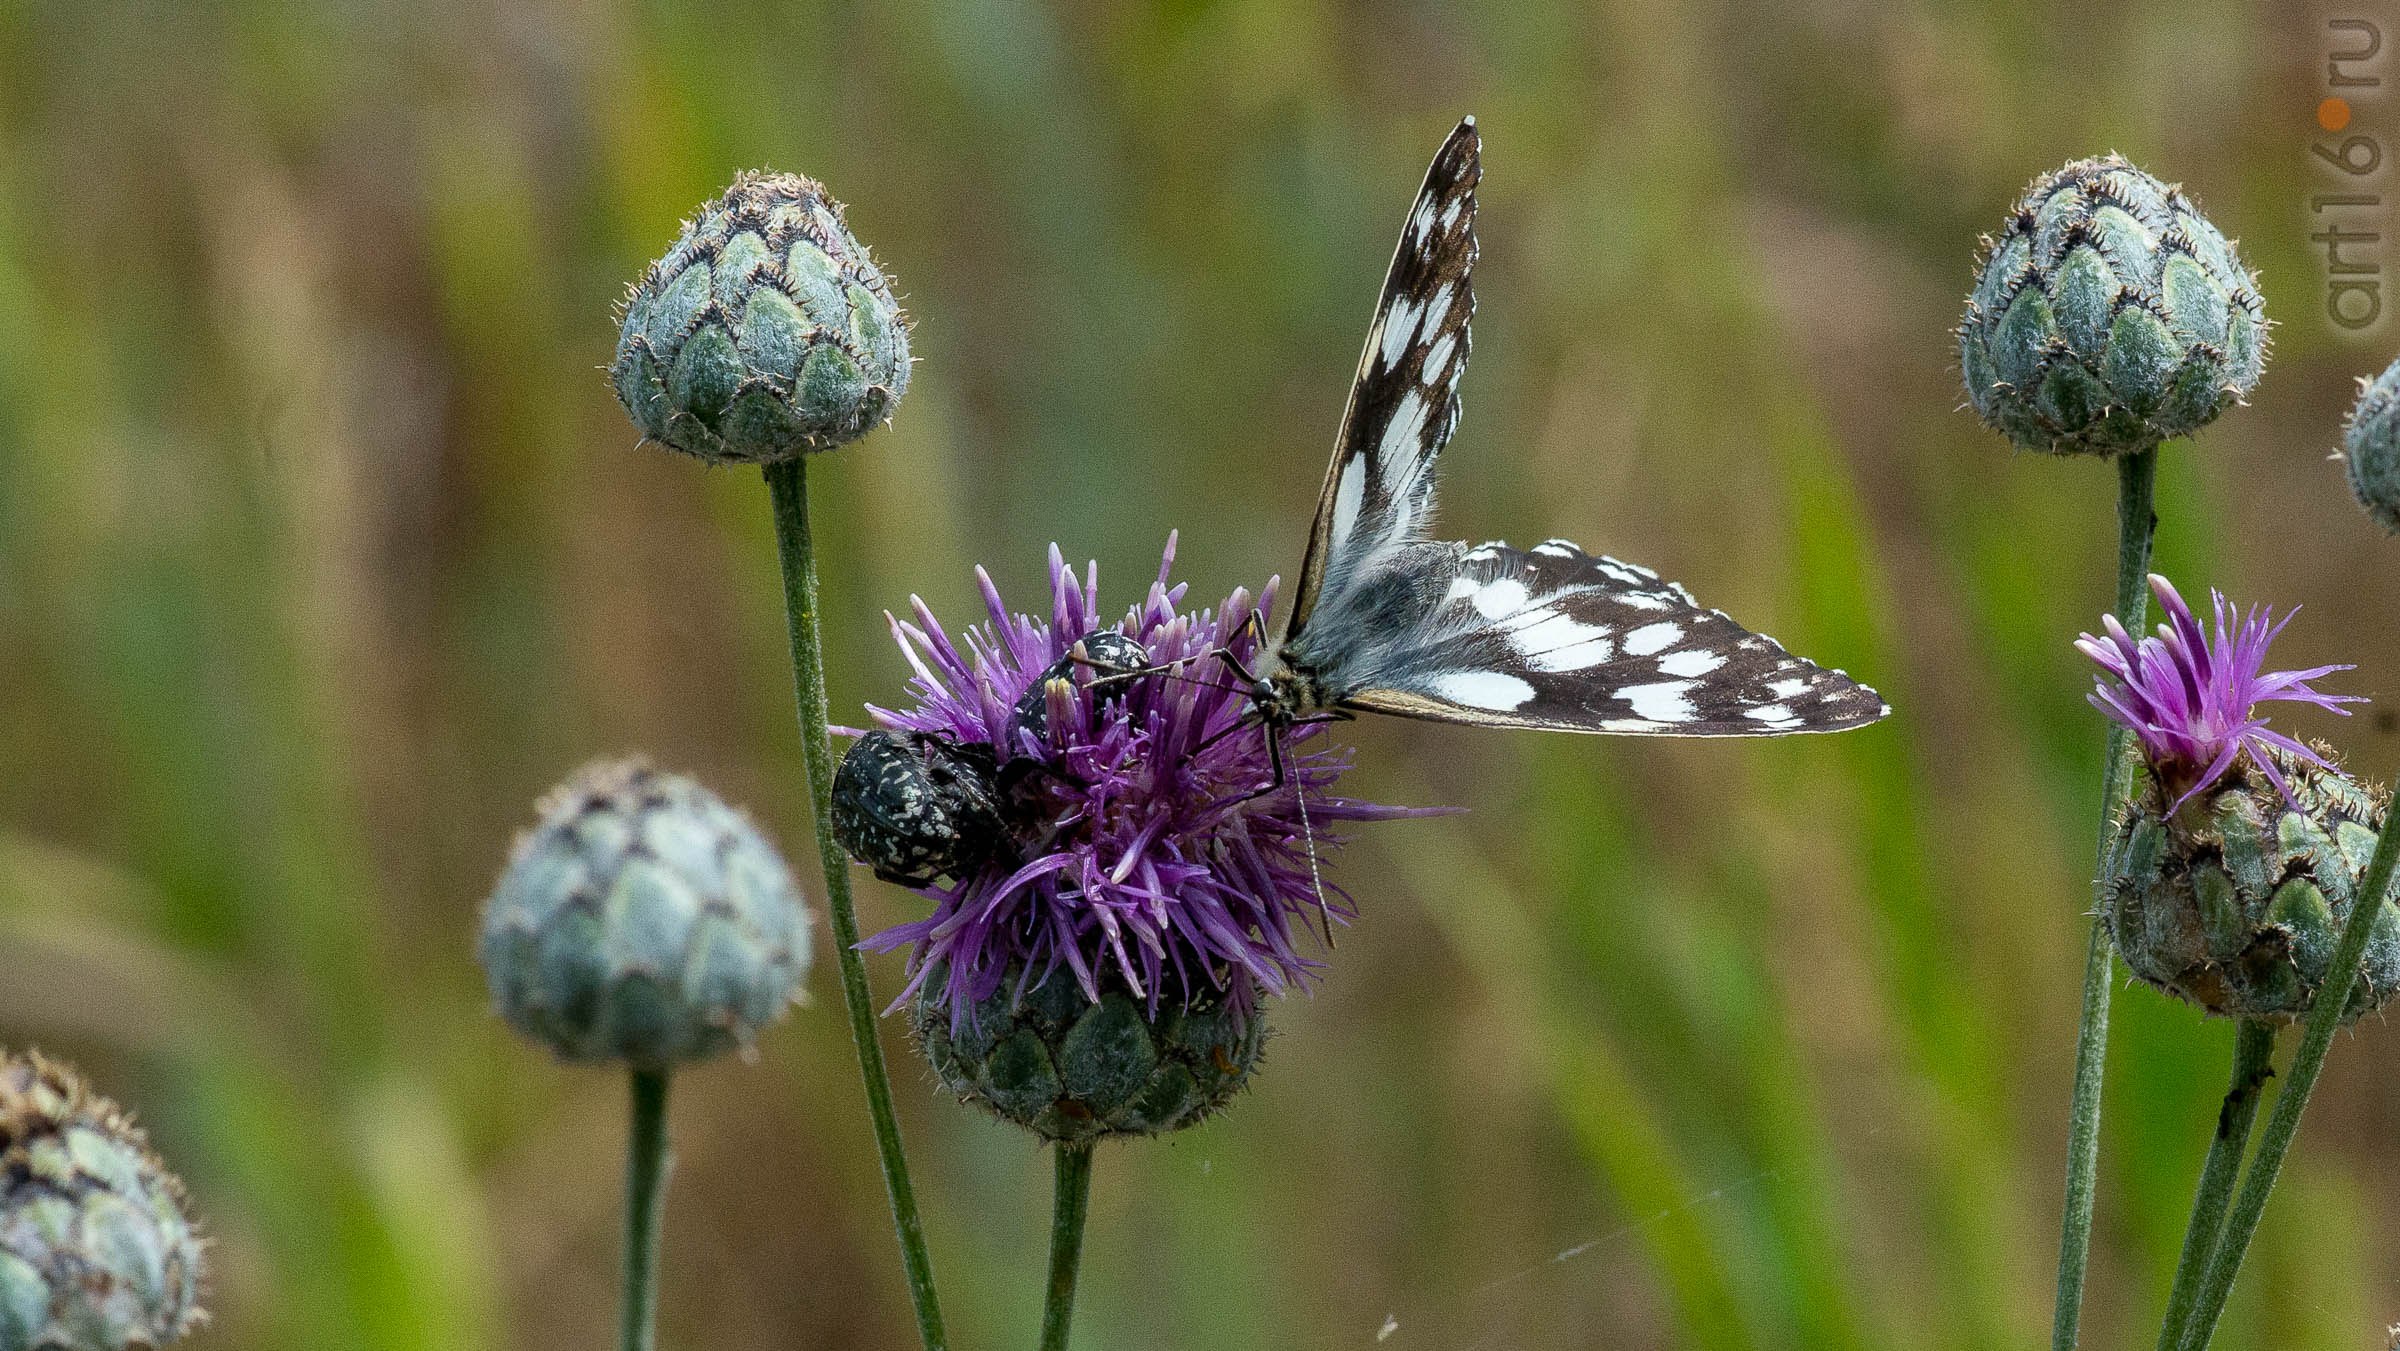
2353	271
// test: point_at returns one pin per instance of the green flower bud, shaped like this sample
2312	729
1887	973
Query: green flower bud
2371	447
96	1253
765	333
2108	316
1069	1070
643	921
2236	901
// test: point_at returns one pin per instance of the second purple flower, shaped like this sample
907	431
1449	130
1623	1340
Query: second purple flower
2241	851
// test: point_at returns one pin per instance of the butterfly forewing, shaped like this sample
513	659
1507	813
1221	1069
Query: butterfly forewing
1555	638
1378	492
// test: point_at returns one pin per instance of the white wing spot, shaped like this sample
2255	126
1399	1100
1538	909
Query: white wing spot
1785	689
1651	638
1399	325
1556	642
1774	715
1495	690
1544	627
1450	212
1402	439
1348	498
1556	548
1662	702
1460	589
1484	553
1644	600
1438	307
1422	224
1573	657
1628	725
1437	357
1500	597
1696	662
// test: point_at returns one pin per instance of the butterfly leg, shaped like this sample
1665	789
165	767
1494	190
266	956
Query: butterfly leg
1275	757
1247	720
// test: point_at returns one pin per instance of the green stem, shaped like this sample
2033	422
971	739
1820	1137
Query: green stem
2253	1049
787	484
645	1204
1073	1201
2324	1017
2136	473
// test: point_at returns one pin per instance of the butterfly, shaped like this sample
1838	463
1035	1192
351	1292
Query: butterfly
1385	620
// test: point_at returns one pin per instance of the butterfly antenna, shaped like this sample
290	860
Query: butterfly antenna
1316	879
1164	671
1308	832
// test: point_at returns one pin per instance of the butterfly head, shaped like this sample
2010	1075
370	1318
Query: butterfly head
1284	694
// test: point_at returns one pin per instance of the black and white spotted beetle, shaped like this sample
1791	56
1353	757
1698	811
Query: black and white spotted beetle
916	807
1110	657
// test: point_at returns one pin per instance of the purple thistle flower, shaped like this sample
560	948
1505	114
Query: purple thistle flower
1148	858
2191	700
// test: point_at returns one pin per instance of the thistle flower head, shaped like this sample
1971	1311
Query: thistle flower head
2371	447
1143	856
2108	315
96	1250
644	921
2190	696
2237	902
766	332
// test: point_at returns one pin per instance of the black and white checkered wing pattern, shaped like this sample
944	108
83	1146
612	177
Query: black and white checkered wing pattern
1378	492
1555	638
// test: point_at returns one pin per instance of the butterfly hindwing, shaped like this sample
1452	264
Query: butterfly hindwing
1556	638
1378	492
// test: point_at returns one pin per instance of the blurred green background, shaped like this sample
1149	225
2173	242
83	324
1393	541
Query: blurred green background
324	549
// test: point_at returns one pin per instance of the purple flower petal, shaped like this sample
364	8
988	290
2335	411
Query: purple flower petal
2189	693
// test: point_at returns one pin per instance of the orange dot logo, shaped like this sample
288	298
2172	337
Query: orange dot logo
2333	114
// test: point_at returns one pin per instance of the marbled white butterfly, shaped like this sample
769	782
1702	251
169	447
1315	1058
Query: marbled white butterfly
1387	621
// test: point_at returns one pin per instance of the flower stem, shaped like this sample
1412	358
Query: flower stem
2136	474
2253	1049
1073	1201
645	1204
787	485
2324	1017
